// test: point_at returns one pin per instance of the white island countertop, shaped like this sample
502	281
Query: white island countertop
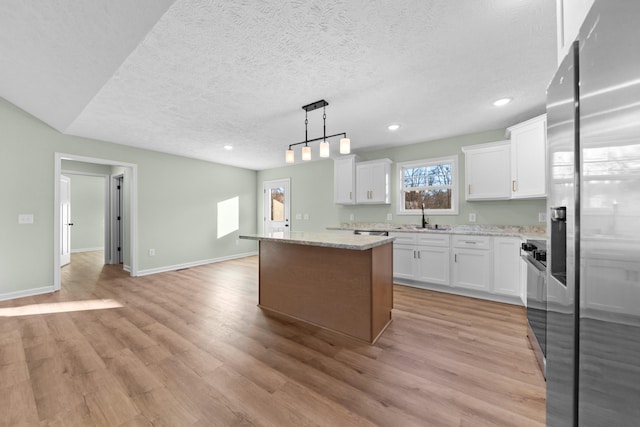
329	240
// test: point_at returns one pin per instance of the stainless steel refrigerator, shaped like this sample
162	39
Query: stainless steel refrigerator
593	293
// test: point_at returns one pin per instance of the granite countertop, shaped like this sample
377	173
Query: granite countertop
525	232
329	240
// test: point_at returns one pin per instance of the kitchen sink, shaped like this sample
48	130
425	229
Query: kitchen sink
432	227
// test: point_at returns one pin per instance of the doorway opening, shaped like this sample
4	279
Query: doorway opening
120	231
277	207
84	206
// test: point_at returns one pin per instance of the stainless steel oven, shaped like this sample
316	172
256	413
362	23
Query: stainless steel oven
534	253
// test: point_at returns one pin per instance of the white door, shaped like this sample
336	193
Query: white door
65	219
276	207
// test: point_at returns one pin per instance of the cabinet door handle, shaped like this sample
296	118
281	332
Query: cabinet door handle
469	189
419	257
513	185
455	257
349	195
470	242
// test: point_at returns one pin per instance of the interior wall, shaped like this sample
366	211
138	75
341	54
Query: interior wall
177	203
311	194
312	190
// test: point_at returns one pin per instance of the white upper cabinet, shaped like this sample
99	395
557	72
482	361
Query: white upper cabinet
570	15
487	171
344	180
528	158
372	182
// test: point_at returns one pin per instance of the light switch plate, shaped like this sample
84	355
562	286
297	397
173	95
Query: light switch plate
472	217
352	217
542	217
25	218
306	217
389	217
298	216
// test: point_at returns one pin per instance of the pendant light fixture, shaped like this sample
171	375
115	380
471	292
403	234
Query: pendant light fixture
325	151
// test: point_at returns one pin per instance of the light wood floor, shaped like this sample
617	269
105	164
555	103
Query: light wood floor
192	348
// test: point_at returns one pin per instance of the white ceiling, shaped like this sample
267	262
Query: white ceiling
189	76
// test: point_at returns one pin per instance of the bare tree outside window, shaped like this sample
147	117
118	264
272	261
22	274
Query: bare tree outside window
429	185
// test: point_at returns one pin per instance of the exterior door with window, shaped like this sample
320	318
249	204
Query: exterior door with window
276	207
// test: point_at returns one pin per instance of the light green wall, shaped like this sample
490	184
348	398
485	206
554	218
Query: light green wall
311	193
312	190
83	167
177	200
87	212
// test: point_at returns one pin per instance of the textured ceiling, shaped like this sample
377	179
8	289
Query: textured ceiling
190	76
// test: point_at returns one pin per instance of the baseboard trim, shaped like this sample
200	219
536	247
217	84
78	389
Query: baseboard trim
26	293
193	264
99	248
514	300
126	268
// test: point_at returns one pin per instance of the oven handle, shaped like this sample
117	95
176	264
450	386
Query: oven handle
537	267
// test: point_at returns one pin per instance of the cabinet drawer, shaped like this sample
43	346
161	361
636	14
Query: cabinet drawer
433	239
472	242
403	238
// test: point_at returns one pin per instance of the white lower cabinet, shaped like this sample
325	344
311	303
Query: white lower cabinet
480	266
404	260
433	264
421	257
472	266
506	266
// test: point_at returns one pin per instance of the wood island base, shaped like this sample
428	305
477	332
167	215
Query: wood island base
343	290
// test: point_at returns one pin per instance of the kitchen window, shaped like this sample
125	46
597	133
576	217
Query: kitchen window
432	182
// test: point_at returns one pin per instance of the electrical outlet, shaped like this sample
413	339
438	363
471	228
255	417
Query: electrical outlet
472	217
389	217
306	217
152	252
352	217
542	217
25	219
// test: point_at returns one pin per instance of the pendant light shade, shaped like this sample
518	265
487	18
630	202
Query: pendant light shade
306	153
289	156
324	149
345	146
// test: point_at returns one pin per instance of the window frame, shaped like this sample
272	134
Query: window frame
453	160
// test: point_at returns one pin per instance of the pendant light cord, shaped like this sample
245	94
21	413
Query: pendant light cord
324	124
306	122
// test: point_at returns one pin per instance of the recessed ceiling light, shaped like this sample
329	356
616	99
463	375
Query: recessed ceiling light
228	147
502	101
393	127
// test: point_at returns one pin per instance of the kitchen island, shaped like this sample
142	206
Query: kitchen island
339	282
